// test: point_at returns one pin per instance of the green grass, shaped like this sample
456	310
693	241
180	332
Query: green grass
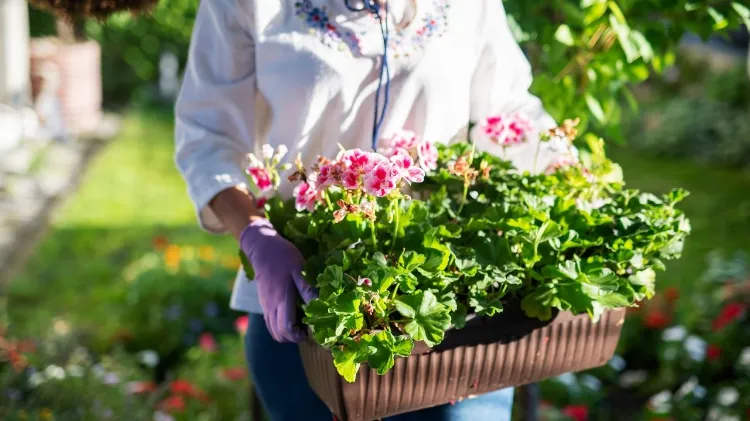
130	194
133	193
718	207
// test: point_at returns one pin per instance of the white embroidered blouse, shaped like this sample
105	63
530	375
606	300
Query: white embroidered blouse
304	73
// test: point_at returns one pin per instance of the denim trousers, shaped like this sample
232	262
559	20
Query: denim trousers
279	378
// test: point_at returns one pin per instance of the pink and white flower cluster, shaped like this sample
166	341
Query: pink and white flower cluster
409	144
265	172
505	129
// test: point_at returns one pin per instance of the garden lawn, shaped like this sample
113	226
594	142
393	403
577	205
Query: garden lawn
718	208
132	194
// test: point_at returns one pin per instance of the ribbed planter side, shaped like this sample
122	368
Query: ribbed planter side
569	343
71	72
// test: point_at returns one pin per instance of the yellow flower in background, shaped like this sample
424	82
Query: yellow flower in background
188	253
22	415
172	256
206	253
231	262
61	327
45	414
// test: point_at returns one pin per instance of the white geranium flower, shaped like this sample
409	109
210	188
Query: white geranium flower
36	379
54	372
281	152
687	388
661	402
630	379
591	382
267	151
162	416
744	360
568	379
617	363
727	396
674	334
149	358
74	370
696	348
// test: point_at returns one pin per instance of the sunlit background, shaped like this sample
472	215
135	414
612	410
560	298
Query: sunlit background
116	304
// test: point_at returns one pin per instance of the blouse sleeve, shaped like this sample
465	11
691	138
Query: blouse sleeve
502	79
214	113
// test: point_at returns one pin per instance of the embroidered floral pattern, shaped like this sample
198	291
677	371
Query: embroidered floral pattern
402	43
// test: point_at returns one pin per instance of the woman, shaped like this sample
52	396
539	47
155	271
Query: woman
306	74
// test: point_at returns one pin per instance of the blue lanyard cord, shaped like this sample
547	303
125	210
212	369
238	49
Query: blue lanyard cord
385	70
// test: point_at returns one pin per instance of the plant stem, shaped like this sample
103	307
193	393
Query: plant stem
374	237
328	201
397	212
463	200
536	155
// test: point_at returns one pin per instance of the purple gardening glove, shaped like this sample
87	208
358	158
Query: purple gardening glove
278	272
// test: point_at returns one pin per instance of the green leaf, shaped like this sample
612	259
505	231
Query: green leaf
566	270
411	260
743	11
427	318
595	108
348	358
322	321
564	35
347	307
539	302
720	22
385	347
246	266
333	276
436	252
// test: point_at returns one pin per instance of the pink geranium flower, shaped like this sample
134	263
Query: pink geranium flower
382	179
407	170
403	139
559	163
306	197
241	324
207	342
325	176
350	179
428	155
261	178
507	129
356	159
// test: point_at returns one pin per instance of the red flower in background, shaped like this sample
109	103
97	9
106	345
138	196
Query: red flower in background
234	373
241	324
207	342
656	319
261	202
713	352
577	412
174	403
671	294
729	314
185	388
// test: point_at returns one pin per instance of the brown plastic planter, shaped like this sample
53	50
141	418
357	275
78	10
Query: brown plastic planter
487	355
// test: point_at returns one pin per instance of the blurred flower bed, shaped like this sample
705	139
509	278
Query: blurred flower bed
177	355
673	365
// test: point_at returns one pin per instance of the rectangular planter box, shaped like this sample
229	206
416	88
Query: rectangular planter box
488	354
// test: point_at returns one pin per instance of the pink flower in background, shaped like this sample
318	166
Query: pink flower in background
428	155
261	178
559	163
507	129
234	373
382	179
207	342
407	169
350	179
403	139
305	197
241	324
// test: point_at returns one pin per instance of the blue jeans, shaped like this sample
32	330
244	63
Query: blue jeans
277	372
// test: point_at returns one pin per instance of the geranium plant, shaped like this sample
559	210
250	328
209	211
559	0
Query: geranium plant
392	269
